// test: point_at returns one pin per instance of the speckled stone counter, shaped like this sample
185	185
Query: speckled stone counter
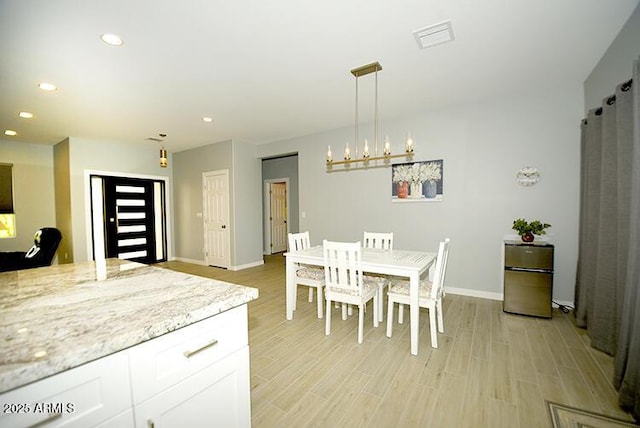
59	317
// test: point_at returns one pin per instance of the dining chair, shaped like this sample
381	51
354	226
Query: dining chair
345	282
380	241
430	296
310	276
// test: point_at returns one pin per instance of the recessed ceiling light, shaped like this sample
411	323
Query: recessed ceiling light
47	86
111	39
10	132
207	119
25	115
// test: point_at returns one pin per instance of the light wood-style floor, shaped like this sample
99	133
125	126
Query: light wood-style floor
491	369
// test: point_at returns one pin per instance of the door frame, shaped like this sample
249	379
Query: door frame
87	206
266	205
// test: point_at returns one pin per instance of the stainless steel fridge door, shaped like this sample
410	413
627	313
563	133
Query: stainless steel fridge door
529	256
528	293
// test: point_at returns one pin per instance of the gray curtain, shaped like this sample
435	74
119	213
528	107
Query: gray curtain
608	275
606	170
627	360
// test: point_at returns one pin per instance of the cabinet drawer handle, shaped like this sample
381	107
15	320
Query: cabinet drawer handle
189	354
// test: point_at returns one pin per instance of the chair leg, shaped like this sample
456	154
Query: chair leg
319	300
440	319
376	311
295	298
432	327
310	294
389	317
381	304
327	325
361	323
344	311
400	313
349	310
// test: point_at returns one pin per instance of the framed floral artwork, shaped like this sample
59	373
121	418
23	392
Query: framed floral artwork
417	181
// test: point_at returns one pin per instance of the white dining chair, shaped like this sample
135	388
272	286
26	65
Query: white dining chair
430	297
345	282
380	241
307	275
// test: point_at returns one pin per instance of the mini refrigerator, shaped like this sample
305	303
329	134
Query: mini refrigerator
528	279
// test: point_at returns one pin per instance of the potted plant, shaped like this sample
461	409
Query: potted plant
527	230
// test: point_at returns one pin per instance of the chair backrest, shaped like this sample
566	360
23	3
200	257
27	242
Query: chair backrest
46	241
383	241
440	269
342	271
299	241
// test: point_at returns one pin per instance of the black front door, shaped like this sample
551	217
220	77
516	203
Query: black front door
134	219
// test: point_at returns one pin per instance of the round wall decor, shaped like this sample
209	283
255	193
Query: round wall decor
528	176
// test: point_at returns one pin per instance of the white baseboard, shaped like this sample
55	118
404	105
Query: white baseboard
494	296
186	260
202	263
474	293
247	265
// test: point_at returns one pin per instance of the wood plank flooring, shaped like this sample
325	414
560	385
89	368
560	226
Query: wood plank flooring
491	369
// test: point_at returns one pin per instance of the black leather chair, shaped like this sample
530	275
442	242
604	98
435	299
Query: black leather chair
46	241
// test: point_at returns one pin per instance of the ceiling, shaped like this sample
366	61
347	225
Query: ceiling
271	70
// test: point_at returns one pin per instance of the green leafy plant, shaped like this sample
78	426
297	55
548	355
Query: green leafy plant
536	227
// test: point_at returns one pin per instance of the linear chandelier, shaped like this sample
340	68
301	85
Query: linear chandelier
366	154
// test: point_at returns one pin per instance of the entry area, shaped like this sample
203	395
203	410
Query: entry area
128	218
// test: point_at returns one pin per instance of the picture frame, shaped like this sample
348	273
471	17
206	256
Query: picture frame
417	181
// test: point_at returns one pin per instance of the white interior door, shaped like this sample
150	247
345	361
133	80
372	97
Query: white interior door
278	216
216	218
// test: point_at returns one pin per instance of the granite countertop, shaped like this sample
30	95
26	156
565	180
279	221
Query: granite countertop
59	317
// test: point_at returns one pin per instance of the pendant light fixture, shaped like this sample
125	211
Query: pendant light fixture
164	161
366	157
163	158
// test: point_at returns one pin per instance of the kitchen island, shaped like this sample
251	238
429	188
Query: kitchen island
117	343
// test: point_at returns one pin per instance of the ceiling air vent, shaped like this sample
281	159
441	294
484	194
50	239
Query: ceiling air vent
434	34
157	140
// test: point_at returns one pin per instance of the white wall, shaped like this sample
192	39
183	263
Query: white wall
615	65
247	206
188	168
483	145
113	158
33	191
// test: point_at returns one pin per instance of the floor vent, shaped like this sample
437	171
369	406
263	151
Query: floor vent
434	35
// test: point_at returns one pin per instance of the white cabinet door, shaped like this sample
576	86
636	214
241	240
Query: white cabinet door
217	396
123	420
169	359
84	396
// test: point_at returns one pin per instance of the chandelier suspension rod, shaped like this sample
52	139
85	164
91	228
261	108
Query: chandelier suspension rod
357	128
375	118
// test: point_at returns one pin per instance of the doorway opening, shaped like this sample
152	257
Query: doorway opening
128	218
280	211
276	214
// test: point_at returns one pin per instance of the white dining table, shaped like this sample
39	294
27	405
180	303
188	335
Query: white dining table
404	263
